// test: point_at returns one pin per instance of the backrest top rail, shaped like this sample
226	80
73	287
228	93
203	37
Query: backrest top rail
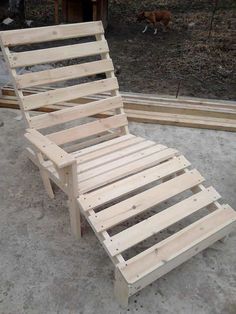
50	33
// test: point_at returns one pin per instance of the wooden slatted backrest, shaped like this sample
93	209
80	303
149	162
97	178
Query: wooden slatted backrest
21	50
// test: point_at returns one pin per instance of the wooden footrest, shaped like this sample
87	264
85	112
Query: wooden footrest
124	212
156	261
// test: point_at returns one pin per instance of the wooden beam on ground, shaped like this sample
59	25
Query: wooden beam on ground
182	111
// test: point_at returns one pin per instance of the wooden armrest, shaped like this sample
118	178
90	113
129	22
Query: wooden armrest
53	152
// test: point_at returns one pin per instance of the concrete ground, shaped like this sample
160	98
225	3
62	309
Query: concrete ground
44	270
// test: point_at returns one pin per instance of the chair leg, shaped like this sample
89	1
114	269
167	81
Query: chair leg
74	217
47	184
121	290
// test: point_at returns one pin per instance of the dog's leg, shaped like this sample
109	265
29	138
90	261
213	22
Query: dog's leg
145	29
155	27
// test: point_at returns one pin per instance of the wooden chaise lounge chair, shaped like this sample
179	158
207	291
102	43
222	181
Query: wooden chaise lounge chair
118	181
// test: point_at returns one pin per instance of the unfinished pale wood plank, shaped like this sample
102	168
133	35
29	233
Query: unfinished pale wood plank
182	120
141	202
179	100
50	33
115	156
132	183
63	73
112	147
127	170
101	146
73	113
160	221
68	93
88	129
53	152
109	166
41	56
156	261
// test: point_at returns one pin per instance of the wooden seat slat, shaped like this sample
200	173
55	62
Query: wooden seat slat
112	147
126	170
115	156
91	152
148	148
124	186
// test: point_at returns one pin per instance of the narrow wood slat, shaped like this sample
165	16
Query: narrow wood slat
156	261
141	202
113	147
56	154
132	183
115	156
106	136
109	166
88	129
117	159
50	33
63	73
127	170
68	93
41	56
76	112
89	151
160	221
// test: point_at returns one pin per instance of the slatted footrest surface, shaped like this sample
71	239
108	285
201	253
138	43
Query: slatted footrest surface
158	260
137	208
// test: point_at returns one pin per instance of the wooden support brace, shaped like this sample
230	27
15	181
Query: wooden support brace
45	177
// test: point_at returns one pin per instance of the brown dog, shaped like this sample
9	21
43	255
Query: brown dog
155	17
